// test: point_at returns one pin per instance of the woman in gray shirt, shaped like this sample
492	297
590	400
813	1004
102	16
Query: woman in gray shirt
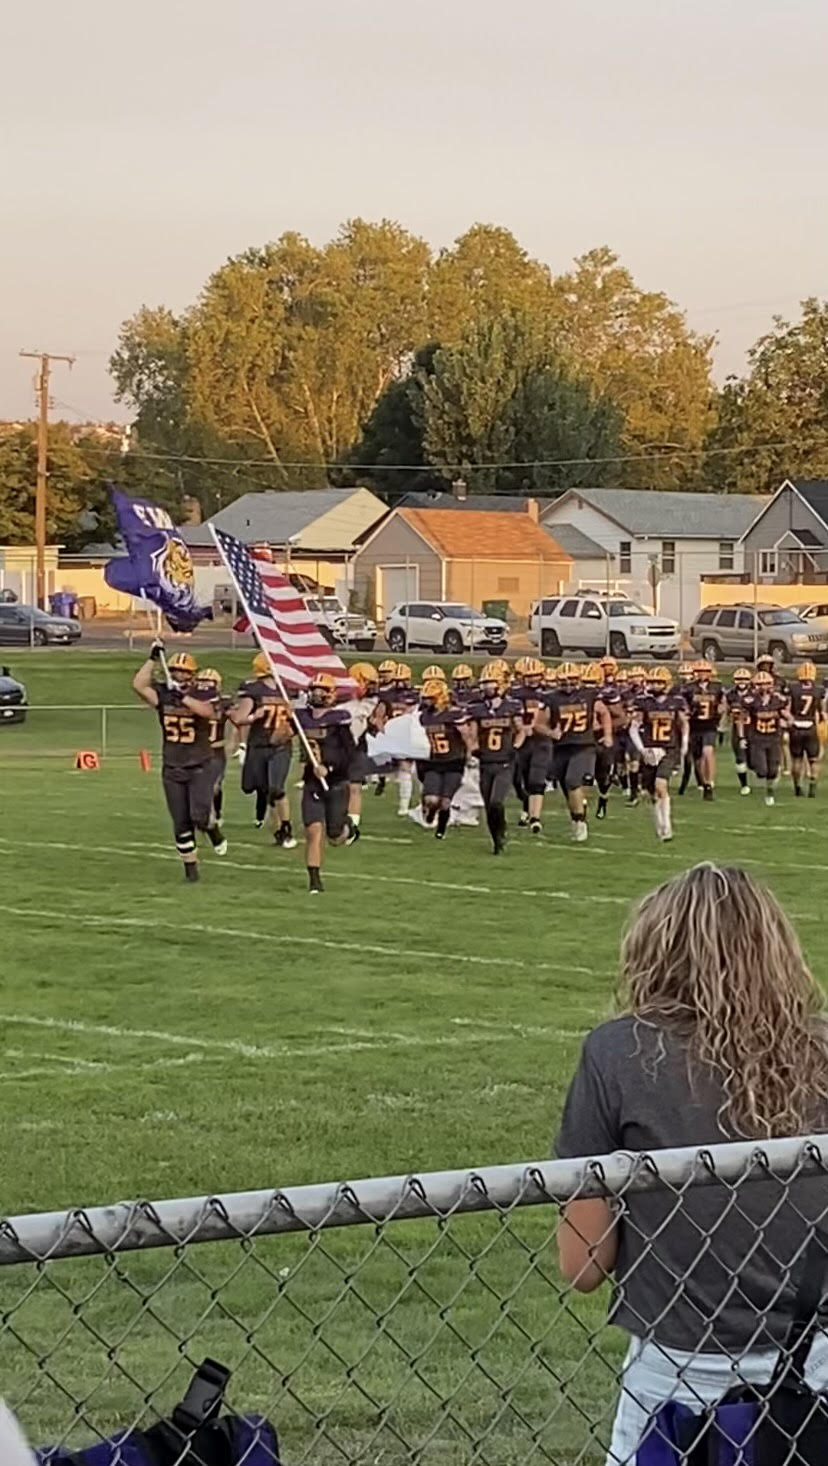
722	1037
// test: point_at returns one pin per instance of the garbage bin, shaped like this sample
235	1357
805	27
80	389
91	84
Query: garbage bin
63	603
87	608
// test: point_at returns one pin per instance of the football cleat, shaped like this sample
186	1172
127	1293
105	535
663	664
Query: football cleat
221	848
580	832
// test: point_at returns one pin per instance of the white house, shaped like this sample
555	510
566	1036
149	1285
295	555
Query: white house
660	542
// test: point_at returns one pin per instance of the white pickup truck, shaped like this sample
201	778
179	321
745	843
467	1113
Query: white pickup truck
341	626
595	624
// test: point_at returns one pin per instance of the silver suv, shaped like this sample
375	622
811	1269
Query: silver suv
739	631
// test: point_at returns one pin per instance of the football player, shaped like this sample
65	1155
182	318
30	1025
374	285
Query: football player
737	707
386	679
612	763
768	717
704	699
398	699
636	687
532	756
806	700
208	684
262	710
660	731
497	730
446	729
572	715
462	683
362	710
187	770
329	757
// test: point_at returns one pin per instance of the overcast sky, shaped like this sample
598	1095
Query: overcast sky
143	144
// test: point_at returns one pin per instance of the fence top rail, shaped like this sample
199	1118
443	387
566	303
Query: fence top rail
85	707
133	1225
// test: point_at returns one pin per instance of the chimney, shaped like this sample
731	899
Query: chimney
460	489
533	510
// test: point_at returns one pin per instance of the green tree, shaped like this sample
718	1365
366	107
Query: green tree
635	346
486	274
499	408
773	422
70	478
393	435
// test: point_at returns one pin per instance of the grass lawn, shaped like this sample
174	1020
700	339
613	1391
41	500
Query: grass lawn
424	1014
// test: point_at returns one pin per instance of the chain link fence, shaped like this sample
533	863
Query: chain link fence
60	731
408	1319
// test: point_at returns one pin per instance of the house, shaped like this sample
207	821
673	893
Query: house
473	557
661	542
316	531
18	570
501	503
787	542
593	568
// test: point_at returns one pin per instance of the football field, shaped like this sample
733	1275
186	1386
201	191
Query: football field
166	1040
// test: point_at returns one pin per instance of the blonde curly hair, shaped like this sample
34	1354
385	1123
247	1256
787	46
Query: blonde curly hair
711	956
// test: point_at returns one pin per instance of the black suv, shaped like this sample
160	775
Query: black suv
13	701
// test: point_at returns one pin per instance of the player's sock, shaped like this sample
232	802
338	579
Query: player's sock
812	783
602	806
351	830
741	773
623	780
191	870
314	879
429	813
657	818
443	817
405	783
535	826
707	792
214	835
687	769
666	821
379	788
634	781
218	803
769	793
797	786
355	819
261	806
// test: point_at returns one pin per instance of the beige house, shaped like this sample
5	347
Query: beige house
18	570
474	557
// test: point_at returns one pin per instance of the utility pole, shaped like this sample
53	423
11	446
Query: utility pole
42	390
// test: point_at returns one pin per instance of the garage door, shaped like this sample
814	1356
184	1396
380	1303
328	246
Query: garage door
396	583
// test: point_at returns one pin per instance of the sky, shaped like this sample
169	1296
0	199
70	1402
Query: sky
141	146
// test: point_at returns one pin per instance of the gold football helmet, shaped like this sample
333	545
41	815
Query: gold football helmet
492	676
435	692
322	690
209	677
763	681
403	675
433	674
742	677
592	674
661	678
261	666
461	676
806	672
365	677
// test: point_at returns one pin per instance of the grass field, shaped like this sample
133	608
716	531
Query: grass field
425	1013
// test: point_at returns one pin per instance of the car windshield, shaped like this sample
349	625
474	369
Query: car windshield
459	611
779	618
330	603
626	608
32	613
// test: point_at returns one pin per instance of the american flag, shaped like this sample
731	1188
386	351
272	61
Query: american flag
279	618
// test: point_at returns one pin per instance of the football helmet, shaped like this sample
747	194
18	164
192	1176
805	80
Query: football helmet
522	665
609	668
322	690
492	676
765	661
403	675
569	674
435	694
742	677
660	679
365	677
638	674
387	672
702	670
433	674
261	666
550	676
532	671
593	676
806	672
209	677
461	676
183	667
763	681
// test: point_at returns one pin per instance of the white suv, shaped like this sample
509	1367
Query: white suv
587	622
446	626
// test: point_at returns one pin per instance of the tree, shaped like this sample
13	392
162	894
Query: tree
393	435
486	274
70	476
635	346
500	407
773	422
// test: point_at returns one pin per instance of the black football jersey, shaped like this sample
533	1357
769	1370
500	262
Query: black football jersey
531	700
574	713
660	721
806	701
329	733
495	719
445	740
276	726
766	715
186	738
703	702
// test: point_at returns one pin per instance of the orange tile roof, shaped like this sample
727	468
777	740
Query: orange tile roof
478	534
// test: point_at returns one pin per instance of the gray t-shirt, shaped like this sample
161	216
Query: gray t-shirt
715	1268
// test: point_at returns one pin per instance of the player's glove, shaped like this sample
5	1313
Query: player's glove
155	651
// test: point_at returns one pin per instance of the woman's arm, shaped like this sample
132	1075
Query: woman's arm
587	1243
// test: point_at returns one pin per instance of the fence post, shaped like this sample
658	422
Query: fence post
755	604
103	732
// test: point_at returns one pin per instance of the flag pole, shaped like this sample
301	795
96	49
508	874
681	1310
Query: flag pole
157	632
274	670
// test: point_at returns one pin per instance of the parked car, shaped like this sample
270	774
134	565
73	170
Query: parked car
816	612
7	597
735	631
28	626
587	622
342	627
446	626
13	698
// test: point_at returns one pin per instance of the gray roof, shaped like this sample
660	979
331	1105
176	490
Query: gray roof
670	515
576	544
268	517
815	493
496	503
